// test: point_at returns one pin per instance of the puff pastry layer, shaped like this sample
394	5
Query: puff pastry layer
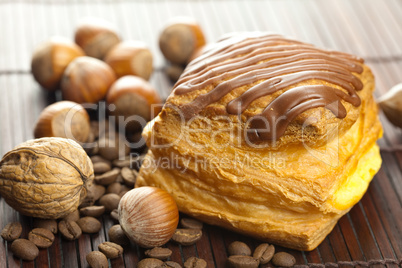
289	188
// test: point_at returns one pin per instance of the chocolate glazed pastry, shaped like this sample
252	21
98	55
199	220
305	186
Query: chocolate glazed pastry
267	136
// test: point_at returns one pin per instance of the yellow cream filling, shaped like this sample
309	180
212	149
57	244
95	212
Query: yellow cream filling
354	188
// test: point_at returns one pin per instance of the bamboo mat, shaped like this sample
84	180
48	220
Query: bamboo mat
370	235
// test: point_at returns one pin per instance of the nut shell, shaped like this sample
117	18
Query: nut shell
65	119
391	104
180	38
86	80
45	178
130	58
134	99
51	58
148	216
96	37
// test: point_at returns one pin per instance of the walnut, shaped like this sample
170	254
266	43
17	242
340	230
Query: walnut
45	178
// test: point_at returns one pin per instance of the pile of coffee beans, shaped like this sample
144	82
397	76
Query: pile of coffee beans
240	256
27	249
188	234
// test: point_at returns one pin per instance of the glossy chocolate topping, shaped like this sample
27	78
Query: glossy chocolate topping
271	63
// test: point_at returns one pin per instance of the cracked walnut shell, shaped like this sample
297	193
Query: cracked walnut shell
45	178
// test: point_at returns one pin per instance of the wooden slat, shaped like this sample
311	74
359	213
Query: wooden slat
326	251
204	250
383	196
377	228
338	243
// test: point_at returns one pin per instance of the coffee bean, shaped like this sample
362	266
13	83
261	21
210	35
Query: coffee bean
113	148
95	148
239	248
115	214
89	225
24	249
99	159
51	225
129	176
125	188
88	200
264	253
122	193
98	191
191	223
187	237
132	162
109	201
117	235
91	147
41	237
119	179
283	259
194	262
243	261
97	259
11	231
114	188
108	177
69	230
101	167
94	192
150	263
171	264
121	163
111	250
73	216
93	211
105	128
158	253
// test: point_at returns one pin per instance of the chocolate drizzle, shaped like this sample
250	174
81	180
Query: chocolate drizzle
271	63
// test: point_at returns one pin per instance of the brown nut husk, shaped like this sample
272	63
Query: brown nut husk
130	58
135	100
86	80
45	178
141	209
96	37
180	38
174	72
50	59
65	119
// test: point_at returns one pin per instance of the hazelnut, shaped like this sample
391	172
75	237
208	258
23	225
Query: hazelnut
86	80
130	58
174	72
51	58
180	38
135	100
391	105
96	37
148	216
65	119
197	52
